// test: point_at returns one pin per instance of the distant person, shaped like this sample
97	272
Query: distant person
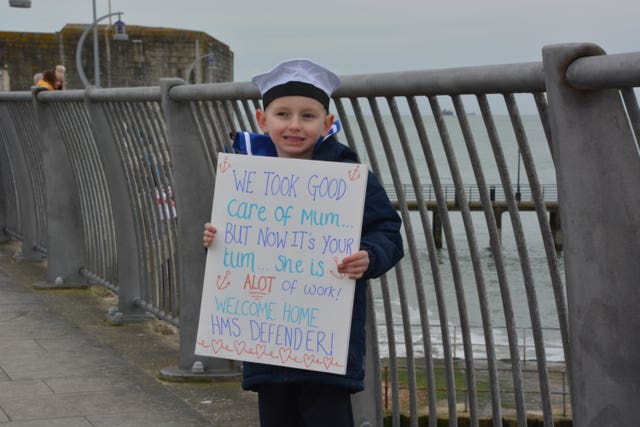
61	81
295	115
36	78
48	80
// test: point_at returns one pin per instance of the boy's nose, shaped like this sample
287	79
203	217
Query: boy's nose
294	123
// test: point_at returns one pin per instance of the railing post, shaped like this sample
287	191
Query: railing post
556	228
193	189
128	246
6	183
598	172
436	228
25	193
65	235
368	404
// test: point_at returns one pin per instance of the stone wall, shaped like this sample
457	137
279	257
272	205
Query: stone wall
149	54
5	80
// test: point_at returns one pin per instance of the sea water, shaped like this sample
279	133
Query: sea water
545	171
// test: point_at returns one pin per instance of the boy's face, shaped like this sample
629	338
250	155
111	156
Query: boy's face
295	123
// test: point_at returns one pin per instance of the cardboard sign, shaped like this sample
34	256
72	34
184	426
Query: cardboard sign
271	292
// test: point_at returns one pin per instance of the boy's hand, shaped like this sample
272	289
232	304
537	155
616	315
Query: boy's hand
209	234
355	265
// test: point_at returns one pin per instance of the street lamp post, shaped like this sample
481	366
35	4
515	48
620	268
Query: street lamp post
120	36
96	51
193	64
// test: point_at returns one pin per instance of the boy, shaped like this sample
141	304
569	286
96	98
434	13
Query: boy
295	115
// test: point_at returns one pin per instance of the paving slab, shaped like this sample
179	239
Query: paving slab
164	419
89	360
23	389
89	384
19	346
60	422
125	402
63	365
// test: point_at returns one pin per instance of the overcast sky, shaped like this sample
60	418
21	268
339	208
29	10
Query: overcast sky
364	36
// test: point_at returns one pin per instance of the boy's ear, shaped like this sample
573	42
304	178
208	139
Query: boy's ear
261	118
328	122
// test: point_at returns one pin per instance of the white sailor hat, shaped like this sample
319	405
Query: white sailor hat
297	77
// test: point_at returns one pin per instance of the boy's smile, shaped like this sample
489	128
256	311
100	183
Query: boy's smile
295	123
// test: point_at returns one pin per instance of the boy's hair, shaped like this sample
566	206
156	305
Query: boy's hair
297	77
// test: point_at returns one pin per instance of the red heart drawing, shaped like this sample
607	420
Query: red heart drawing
327	361
260	349
239	346
285	354
308	360
216	345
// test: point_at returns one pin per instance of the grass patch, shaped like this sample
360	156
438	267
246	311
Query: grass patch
559	389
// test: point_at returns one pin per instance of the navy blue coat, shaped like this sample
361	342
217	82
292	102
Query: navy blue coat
382	239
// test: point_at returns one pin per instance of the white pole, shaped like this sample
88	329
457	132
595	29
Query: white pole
96	52
81	74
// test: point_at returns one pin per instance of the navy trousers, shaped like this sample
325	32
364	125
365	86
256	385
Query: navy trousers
304	405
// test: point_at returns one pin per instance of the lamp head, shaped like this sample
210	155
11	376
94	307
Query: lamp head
20	3
120	30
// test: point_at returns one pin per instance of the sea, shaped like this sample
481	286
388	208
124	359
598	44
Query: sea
545	170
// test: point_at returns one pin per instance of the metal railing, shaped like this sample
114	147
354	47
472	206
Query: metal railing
473	192
115	184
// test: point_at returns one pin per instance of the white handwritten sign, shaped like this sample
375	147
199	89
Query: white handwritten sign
272	293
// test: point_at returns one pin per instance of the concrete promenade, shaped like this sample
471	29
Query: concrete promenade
62	365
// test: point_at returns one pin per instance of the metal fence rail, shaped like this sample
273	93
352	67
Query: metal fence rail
101	261
10	219
524	193
25	161
445	324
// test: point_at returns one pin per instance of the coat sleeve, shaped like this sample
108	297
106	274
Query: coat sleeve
381	235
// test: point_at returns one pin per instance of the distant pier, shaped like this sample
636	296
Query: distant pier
523	196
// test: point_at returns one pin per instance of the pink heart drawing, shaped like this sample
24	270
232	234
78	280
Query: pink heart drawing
327	361
308	360
285	354
239	346
216	345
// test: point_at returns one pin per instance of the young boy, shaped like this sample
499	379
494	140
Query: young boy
295	114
